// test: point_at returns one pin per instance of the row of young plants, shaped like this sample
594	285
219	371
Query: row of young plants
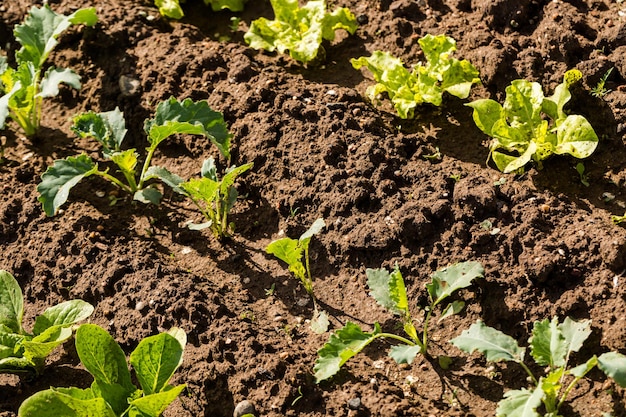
528	126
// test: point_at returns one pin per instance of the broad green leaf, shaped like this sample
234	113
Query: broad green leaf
5	101
209	170
11	302
169	8
551	387
575	333
203	189
166	176
448	280
64	403
108	128
59	179
20	365
8	343
315	228
288	250
102	356
495	345
404	353
582	370
154	405
388	290
55	76
173	116
231	175
576	137
614	365
451	309
319	322
126	161
155	360
38	35
520	403
180	335
114	394
342	345
199	226
547	344
63	314
486	113
148	195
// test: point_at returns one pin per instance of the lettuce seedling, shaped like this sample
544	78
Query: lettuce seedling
109	128
389	291
24	87
521	130
21	351
214	197
551	344
291	251
299	30
425	83
112	393
172	9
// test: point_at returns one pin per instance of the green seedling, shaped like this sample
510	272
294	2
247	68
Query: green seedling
389	291
299	30
551	345
22	352
24	87
112	393
214	197
425	83
172	9
109	128
599	90
292	251
584	178
521	130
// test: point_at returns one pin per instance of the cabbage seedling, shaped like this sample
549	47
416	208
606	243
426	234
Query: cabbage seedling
425	83
389	291
551	344
112	393
24	87
299	30
291	251
109	128
521	131
21	351
214	197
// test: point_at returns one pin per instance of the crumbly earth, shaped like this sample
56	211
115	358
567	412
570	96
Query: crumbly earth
321	149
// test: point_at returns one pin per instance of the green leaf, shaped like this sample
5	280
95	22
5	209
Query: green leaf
173	116
547	343
315	228
67	403
576	137
451	309
404	353
582	370
289	250
102	356
388	290
8	343
232	5
148	195
486	113
41	28
319	322
169	8
575	333
59	179
155	360
154	405
614	365
448	280
108	128
203	189
11	302
229	180
55	76
342	345
495	345
520	403
166	176
63	314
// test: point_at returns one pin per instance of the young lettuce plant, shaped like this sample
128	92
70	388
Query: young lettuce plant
24	87
425	83
109	128
291	251
521	130
299	30
172	9
551	344
214	197
22	352
389	291
112	393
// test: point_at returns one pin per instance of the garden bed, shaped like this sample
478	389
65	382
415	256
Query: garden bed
321	149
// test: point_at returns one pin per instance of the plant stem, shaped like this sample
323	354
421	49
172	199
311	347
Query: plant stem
425	331
115	181
146	165
530	374
398	338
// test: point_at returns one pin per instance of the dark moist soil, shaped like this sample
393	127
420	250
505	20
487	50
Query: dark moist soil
320	149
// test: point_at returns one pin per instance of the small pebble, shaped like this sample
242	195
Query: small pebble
362	19
100	194
129	86
140	306
302	302
354	403
243	408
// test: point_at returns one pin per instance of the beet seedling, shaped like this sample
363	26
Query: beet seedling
551	345
299	30
425	83
112	393
292	251
389	291
109	128
521	132
24	87
214	197
21	351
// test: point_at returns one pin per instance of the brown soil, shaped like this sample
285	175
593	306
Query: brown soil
320	149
